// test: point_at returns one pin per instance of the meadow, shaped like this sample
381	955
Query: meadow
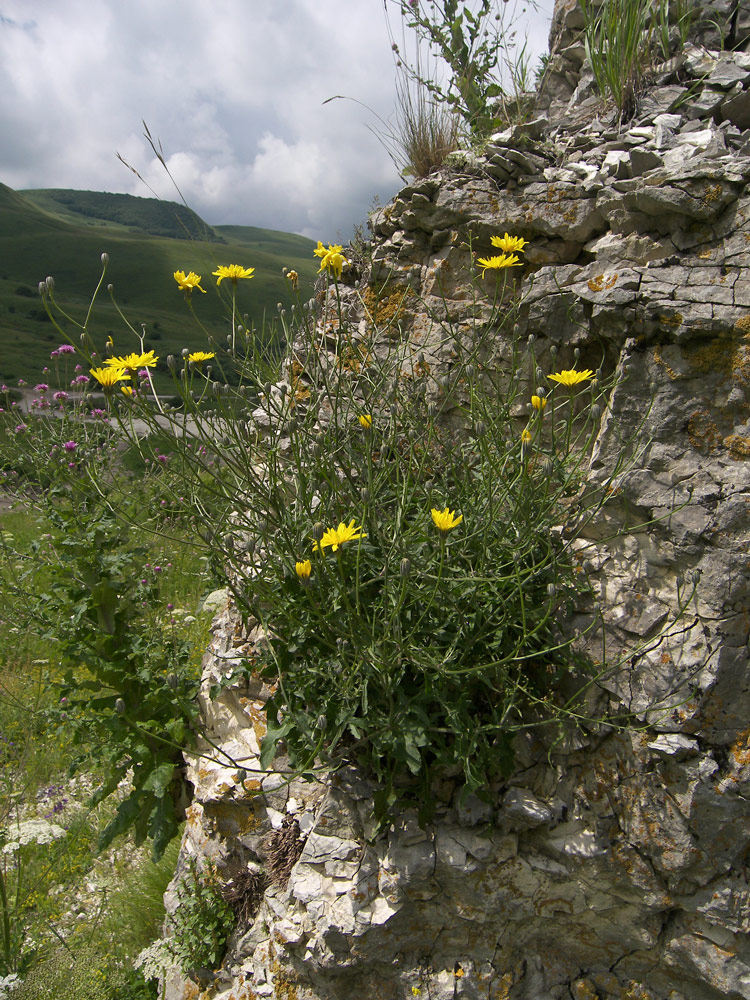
55	233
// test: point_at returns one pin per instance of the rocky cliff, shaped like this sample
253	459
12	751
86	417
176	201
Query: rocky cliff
614	866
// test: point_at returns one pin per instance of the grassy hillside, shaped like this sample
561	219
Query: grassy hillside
41	235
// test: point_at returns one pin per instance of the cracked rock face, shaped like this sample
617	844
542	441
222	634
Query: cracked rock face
613	865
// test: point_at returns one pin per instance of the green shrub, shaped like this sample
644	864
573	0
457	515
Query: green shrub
201	923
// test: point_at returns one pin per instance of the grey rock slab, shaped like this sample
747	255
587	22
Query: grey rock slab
737	109
523	809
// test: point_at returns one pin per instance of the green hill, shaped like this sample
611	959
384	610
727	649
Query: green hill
143	215
56	232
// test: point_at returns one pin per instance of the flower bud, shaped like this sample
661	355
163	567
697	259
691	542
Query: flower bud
119	706
110	288
171	363
42	288
50	283
546	466
184	352
173	681
318	531
365	495
105	259
596	411
405	568
553	352
432	409
481	428
577	354
551	589
241	775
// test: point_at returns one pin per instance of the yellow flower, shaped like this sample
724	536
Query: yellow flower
525	436
331	259
133	361
187	282
303	569
445	520
109	377
509	244
538	402
294	278
234	272
570	377
127	390
497	263
335	537
365	421
198	357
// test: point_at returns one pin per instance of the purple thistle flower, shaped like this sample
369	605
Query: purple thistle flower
66	349
70	445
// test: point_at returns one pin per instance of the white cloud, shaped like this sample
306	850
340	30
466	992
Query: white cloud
234	90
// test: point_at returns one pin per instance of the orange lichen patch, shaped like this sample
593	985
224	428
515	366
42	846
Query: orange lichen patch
663	364
729	357
353	359
600	282
387	310
743	323
674	320
706	254
422	369
284	987
257	717
711	193
740	749
738	446
703	433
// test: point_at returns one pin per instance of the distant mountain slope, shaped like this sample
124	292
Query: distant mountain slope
43	235
148	215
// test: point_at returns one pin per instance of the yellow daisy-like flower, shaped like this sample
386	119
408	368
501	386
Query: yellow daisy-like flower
498	263
526	436
187	282
303	569
294	278
539	402
365	421
232	271
198	357
134	361
109	377
445	520
335	537
570	377
331	259
509	244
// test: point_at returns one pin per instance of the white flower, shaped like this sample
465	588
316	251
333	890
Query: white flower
7	984
33	831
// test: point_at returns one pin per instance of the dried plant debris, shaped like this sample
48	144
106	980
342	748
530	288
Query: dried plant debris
243	890
282	849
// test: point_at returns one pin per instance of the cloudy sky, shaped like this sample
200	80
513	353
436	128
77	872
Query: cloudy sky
233	89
